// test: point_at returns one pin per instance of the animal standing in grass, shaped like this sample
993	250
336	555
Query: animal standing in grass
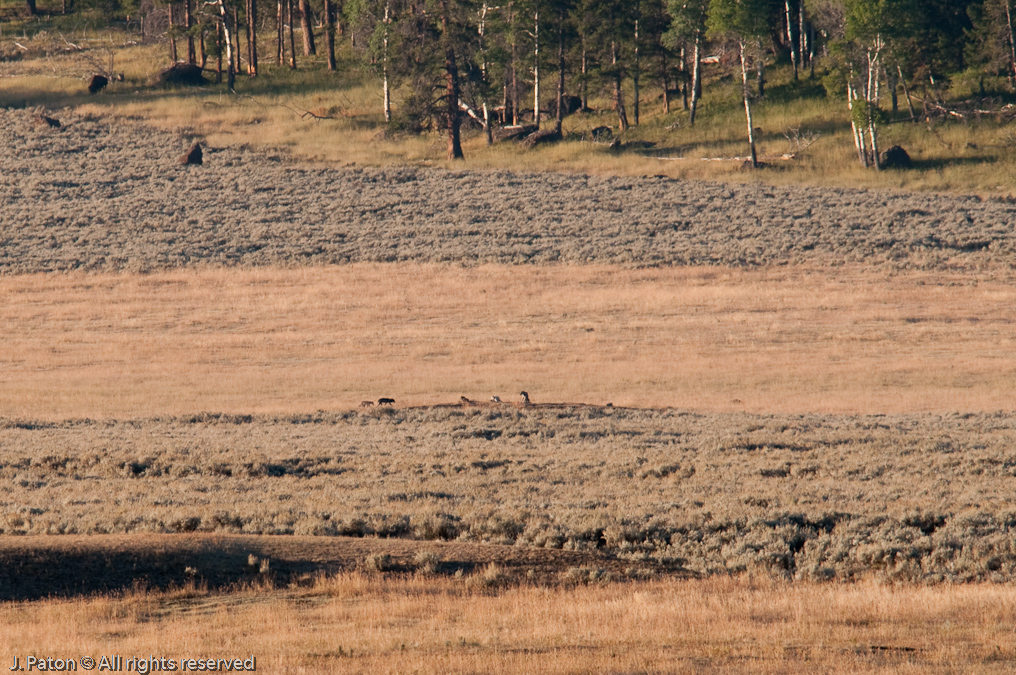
97	84
386	401
525	397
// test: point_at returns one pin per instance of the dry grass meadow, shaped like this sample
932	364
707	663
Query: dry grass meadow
354	623
771	430
290	341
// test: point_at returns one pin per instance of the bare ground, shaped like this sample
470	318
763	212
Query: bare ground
102	195
46	566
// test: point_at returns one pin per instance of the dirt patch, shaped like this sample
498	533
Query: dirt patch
46	566
100	195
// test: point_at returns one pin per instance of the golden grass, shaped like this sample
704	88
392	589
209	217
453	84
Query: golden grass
953	157
289	341
354	623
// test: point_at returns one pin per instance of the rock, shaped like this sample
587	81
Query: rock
193	156
97	84
43	121
183	73
895	158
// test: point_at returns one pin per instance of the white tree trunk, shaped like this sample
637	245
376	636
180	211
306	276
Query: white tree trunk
384	65
858	133
802	37
872	99
635	77
747	107
227	35
790	39
387	94
487	132
696	77
536	68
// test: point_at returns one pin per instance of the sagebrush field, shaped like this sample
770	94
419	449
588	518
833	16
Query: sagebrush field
110	196
900	497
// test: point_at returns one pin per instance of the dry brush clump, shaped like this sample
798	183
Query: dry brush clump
907	497
97	195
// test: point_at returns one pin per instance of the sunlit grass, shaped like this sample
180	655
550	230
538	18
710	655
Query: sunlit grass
789	339
355	624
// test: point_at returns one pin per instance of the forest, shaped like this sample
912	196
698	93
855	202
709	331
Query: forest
443	64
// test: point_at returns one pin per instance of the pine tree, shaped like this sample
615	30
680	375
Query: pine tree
991	42
429	44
